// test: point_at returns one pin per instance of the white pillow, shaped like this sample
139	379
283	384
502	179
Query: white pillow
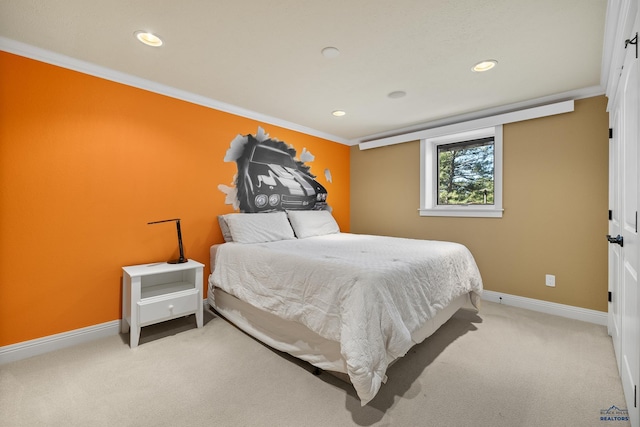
259	227
312	223
226	234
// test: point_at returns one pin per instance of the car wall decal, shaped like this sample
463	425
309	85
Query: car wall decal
270	178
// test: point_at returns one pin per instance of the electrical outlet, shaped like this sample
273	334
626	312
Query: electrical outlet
550	280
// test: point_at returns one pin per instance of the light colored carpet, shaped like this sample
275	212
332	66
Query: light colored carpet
502	367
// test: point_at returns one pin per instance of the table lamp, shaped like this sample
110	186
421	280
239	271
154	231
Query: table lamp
182	258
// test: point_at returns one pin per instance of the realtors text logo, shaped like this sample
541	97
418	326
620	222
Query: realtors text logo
614	414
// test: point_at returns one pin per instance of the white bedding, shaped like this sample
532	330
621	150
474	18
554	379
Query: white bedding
369	293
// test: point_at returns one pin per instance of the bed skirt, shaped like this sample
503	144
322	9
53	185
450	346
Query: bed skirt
296	339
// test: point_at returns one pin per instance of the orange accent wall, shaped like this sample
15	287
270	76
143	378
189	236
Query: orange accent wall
85	163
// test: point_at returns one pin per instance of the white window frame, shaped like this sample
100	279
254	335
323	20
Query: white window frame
429	176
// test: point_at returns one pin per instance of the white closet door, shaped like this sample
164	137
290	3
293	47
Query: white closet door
624	256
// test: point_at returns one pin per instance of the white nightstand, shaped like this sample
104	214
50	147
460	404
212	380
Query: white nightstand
153	293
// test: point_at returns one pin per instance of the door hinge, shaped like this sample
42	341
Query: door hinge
610	214
634	41
609	296
610	133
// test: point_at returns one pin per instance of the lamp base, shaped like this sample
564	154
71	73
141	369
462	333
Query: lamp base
177	261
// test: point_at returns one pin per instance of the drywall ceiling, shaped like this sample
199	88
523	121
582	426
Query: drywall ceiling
264	57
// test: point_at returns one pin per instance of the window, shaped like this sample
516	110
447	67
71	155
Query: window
466	172
461	174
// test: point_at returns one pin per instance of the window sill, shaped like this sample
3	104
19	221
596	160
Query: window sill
463	211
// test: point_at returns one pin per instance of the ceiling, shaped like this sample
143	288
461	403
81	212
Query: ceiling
264	57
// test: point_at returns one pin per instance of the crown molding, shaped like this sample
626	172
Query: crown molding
53	58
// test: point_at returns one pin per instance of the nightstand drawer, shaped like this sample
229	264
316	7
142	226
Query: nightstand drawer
168	306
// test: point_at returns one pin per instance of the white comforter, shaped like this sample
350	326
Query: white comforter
370	293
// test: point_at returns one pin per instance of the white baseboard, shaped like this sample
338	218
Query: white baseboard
569	311
35	347
22	350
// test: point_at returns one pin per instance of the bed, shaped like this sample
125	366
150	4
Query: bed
346	303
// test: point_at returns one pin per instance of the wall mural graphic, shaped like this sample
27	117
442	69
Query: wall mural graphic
270	178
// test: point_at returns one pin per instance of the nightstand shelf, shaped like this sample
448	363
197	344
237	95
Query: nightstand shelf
153	293
164	288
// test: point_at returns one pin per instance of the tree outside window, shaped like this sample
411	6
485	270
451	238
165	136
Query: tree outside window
466	173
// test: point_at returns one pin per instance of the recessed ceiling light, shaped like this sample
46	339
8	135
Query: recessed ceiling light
485	65
149	39
339	113
330	52
397	94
